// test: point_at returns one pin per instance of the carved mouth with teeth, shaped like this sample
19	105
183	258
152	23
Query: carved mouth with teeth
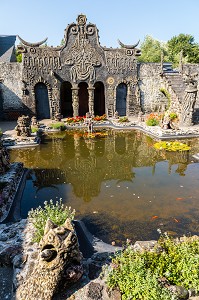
48	253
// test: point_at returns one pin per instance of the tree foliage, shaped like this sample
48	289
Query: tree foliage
18	56
186	44
151	50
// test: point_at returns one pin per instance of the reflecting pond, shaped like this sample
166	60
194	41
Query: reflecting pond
118	183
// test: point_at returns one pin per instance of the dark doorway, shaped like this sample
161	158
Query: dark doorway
42	102
83	98
66	99
99	99
121	94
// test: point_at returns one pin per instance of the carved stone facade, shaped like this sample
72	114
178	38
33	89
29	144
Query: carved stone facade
82	76
82	63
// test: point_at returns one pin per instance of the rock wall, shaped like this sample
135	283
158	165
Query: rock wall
11	90
150	83
193	68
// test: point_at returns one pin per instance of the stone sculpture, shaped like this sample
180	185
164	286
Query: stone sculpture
34	122
4	159
58	263
23	127
189	100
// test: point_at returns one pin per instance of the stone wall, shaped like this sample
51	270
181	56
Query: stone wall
150	82
11	90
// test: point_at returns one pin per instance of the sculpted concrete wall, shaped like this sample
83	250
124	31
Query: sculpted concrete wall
150	83
11	89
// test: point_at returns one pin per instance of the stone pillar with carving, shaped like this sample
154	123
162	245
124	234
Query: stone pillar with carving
75	100
91	99
132	99
188	103
111	101
55	101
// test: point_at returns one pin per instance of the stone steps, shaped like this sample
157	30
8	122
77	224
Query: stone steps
176	82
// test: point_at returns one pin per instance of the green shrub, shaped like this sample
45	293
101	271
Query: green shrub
123	119
134	279
173	116
138	274
167	95
58	125
34	129
152	122
57	213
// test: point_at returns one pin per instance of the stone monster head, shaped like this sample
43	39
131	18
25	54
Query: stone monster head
59	245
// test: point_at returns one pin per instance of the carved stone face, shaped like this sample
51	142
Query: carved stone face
57	244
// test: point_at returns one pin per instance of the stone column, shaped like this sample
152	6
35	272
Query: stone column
91	99
54	99
188	103
111	101
75	100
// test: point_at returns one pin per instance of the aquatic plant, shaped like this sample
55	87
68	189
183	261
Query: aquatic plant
171	146
140	275
57	213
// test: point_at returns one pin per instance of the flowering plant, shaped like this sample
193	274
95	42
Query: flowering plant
153	119
77	119
100	118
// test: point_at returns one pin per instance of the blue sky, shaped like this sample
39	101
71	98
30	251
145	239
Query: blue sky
128	20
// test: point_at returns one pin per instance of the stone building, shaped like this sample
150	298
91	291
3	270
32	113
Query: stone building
82	76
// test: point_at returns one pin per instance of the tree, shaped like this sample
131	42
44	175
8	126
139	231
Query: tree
18	56
151	50
185	43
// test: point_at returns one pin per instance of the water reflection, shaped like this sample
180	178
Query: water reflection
116	182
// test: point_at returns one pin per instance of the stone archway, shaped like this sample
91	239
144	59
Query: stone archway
66	99
121	93
42	101
83	98
99	99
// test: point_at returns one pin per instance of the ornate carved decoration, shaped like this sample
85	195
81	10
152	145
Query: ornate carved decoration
82	56
110	80
131	49
118	62
128	46
31	44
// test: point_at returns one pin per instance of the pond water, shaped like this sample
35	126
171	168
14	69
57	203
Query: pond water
118	183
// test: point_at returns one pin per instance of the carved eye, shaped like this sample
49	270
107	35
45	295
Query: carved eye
50	238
